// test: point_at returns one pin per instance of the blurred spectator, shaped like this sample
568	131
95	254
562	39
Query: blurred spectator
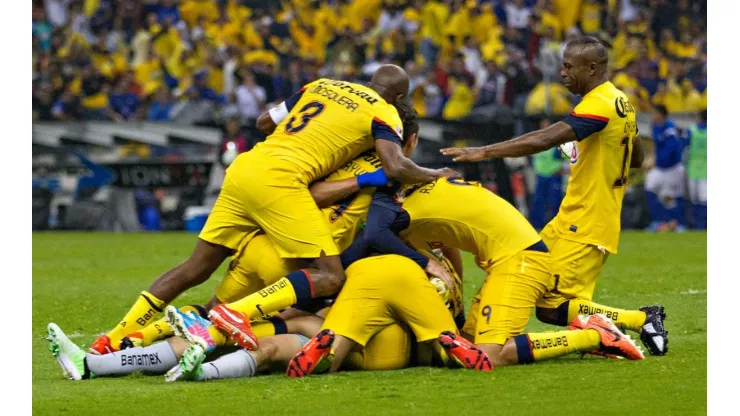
67	107
41	30
549	185
250	97
234	141
492	90
197	48
161	108
591	17
123	101
697	171
42	103
665	182
94	90
167	10
57	11
517	16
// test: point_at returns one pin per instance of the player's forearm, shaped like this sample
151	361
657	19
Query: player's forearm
533	142
406	171
526	145
326	193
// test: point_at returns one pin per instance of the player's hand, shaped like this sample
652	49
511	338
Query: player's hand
465	154
435	269
449	173
377	178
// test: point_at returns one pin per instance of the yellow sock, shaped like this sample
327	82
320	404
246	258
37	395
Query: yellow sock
219	337
546	345
279	295
269	327
622	318
156	331
159	330
146	308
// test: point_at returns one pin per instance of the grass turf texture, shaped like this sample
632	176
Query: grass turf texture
86	282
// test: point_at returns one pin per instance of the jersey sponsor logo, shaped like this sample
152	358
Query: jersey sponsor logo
623	107
140	359
348	88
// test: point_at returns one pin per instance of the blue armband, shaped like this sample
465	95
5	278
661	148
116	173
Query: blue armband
369	179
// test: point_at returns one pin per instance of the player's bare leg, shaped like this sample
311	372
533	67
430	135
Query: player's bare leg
299	287
204	260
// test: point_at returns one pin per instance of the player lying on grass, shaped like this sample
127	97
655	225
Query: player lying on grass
604	135
163	356
322	127
463	215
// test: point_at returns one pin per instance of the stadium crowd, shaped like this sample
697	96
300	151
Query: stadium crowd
192	61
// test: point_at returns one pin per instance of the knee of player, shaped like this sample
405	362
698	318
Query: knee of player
507	355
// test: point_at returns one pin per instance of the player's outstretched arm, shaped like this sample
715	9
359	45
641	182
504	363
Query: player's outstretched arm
402	169
525	145
638	153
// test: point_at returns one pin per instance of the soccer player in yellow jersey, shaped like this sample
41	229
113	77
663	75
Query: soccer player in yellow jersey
323	126
604	134
452	213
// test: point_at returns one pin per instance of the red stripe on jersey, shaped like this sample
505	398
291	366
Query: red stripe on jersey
591	116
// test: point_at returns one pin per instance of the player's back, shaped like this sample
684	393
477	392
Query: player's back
591	209
330	123
464	215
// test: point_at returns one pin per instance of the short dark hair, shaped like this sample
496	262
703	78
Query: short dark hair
409	117
662	110
590	41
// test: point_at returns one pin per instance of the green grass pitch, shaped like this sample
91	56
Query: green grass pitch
86	282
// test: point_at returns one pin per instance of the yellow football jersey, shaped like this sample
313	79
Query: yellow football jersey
330	123
604	123
464	215
346	216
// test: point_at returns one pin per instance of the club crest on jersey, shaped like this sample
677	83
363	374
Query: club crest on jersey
399	130
570	151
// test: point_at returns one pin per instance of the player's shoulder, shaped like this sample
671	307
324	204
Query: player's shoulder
606	101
